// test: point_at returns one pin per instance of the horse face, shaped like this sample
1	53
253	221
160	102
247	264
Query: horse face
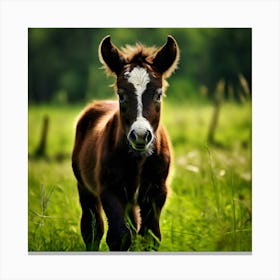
140	76
139	93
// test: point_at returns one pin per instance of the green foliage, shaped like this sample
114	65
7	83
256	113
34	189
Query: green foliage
53	207
209	204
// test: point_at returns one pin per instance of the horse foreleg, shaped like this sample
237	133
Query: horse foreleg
151	202
118	235
92	227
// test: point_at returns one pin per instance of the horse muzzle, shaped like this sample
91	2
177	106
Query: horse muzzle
140	135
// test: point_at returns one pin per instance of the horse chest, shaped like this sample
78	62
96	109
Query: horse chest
132	183
123	177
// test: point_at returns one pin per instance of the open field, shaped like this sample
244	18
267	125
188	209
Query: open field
209	205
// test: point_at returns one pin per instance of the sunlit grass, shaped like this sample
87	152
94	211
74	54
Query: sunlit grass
209	204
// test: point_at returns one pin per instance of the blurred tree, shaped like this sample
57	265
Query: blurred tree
63	63
58	62
229	53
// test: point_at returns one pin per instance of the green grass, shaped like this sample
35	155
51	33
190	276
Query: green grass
209	204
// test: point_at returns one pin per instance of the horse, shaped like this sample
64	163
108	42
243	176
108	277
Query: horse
122	153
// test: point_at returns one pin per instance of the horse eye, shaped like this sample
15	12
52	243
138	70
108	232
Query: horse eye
122	97
157	96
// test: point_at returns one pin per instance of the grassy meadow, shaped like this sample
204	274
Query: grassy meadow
209	204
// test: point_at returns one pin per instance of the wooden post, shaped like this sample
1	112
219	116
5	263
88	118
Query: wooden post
215	117
245	86
41	150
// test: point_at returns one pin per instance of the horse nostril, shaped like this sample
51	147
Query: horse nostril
148	136
133	136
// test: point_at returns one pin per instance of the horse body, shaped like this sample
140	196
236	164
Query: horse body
121	156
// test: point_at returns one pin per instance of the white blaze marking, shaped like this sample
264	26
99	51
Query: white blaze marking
139	78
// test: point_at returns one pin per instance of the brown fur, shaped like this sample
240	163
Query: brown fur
112	176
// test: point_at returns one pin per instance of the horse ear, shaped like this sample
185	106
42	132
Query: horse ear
110	56
167	57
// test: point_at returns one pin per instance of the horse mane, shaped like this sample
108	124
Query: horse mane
138	54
